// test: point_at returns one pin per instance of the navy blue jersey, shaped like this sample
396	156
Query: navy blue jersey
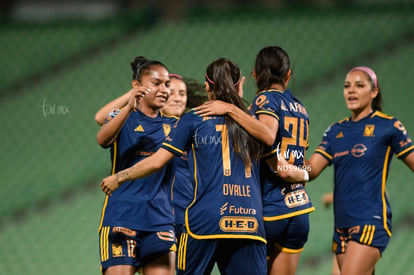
227	196
182	190
141	204
282	199
361	153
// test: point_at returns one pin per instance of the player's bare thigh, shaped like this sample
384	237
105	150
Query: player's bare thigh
358	259
120	269
164	265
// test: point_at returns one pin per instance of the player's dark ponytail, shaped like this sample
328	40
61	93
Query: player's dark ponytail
272	65
377	101
223	78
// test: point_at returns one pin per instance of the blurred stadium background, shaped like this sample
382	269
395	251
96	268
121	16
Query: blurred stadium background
62	60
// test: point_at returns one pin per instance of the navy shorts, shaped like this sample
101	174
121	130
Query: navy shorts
124	246
179	229
368	234
287	235
233	256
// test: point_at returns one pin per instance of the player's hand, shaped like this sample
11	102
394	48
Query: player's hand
212	108
282	164
136	94
327	199
285	169
110	184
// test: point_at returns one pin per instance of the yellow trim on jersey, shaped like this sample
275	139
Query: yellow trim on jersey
195	188
106	198
264	112
322	152
270	153
384	179
288	250
289	215
173	116
227	236
380	114
271	90
343	120
173	147
404	151
172	192
114	157
212	236
103	212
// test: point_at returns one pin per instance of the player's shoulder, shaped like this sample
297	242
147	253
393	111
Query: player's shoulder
169	120
270	93
270	98
386	121
381	116
336	126
340	122
190	118
189	113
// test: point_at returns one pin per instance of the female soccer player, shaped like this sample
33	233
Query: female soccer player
224	222
136	229
184	94
283	126
360	148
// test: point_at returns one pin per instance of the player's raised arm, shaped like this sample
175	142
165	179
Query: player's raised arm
110	130
261	131
117	103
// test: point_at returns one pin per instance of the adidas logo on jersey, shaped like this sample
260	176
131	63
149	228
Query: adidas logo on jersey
139	128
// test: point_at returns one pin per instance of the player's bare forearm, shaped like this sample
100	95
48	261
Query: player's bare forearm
409	160
117	103
287	171
254	127
139	170
109	131
316	164
113	182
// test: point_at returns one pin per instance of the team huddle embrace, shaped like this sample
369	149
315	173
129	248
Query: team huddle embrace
199	179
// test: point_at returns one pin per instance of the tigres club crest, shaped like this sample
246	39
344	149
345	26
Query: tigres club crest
167	129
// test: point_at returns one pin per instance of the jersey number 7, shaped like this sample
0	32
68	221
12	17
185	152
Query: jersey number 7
225	150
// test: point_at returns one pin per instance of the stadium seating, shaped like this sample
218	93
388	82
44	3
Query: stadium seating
32	48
